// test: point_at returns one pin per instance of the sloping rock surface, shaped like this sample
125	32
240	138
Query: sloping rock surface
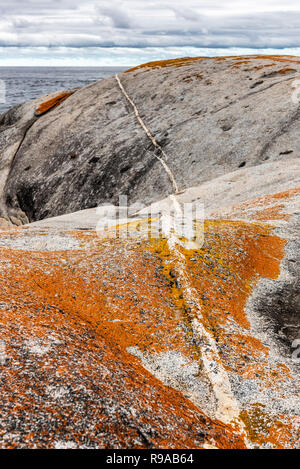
210	116
134	337
118	339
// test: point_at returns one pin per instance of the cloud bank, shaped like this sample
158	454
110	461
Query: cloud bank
138	30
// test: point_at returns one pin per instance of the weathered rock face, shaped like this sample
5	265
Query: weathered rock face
209	115
142	342
120	338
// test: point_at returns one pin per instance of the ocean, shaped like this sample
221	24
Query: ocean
20	84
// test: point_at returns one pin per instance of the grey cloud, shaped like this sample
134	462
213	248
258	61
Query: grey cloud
187	14
140	23
119	18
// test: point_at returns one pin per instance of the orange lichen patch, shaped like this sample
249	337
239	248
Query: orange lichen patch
271	198
246	346
271	213
260	67
285	71
52	103
120	293
188	60
257	423
168	63
65	318
115	300
282	433
270	378
239	63
276	58
264	428
235	255
283	195
225	270
268	204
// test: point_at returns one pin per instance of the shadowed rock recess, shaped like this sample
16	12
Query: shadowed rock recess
120	338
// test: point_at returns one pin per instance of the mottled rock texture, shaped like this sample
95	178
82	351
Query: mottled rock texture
147	341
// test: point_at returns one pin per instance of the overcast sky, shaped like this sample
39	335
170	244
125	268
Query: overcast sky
114	32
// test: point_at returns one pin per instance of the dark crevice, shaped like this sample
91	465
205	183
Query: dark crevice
125	168
25	198
26	130
10	117
281	310
95	159
283	129
277	73
257	83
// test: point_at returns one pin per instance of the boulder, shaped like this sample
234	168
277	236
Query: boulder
174	323
209	116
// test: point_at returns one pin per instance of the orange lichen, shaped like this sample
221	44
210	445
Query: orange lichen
246	346
92	307
168	63
270	378
282	71
179	62
286	70
120	293
268	206
276	58
224	271
260	67
52	103
271	213
282	195
235	255
257	423
265	428
239	63
281	434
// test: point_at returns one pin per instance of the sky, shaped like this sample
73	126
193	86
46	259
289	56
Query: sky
130	32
